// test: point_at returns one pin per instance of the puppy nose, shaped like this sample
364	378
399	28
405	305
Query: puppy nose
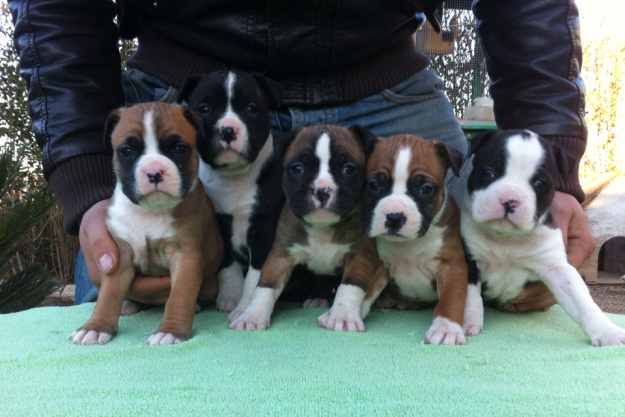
322	194
227	134
509	205
395	221
155	176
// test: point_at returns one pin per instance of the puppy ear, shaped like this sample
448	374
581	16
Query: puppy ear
564	160
273	89
282	142
109	126
449	156
365	137
196	121
479	141
187	88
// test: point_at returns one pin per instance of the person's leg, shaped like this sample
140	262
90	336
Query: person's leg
85	290
138	88
416	106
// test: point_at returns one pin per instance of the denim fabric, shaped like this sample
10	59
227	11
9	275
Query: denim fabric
417	106
85	290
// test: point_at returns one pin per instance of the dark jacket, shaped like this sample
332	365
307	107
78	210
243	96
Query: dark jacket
325	53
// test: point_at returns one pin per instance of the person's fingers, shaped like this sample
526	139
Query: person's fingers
570	218
100	251
535	296
150	290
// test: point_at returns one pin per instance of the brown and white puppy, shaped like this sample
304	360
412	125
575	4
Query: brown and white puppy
160	217
416	224
321	226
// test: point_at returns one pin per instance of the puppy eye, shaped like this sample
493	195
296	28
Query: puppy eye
204	109
374	186
126	152
297	169
426	189
349	170
181	149
487	173
540	184
252	109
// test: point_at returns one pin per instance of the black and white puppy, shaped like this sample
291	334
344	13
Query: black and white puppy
510	235
238	171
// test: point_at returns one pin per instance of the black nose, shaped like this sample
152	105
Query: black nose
509	207
156	177
322	194
227	134
395	221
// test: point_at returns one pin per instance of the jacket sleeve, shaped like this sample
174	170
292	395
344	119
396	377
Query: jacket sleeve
533	56
70	61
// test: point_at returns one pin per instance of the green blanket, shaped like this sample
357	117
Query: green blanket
522	365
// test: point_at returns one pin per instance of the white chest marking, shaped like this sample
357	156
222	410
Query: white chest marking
507	263
321	254
235	195
412	263
135	224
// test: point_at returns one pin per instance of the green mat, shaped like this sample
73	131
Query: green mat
522	365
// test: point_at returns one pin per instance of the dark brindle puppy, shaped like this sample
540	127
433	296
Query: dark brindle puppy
160	217
321	226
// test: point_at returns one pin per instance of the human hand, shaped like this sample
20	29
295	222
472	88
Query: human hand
102	257
578	241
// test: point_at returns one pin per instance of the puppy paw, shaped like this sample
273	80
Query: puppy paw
342	320
250	322
613	336
161	338
130	307
198	308
316	302
472	329
444	332
86	337
227	301
236	313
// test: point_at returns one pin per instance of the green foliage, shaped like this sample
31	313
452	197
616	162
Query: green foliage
28	287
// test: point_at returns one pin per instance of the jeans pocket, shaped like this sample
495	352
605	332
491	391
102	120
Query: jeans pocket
421	86
142	88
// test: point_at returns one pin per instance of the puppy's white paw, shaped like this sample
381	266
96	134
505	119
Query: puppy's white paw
90	337
236	313
198	308
130	307
161	338
250	322
471	329
342	320
315	302
444	332
612	336
228	299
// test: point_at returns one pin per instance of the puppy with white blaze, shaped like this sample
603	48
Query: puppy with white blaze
239	173
416	224
160	218
511	237
320	226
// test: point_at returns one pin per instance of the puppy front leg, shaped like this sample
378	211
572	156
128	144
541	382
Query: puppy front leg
451	280
377	286
572	294
230	281
273	277
249	285
473	311
345	314
104	321
186	279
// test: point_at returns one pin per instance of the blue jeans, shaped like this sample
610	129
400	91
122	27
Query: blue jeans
417	106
